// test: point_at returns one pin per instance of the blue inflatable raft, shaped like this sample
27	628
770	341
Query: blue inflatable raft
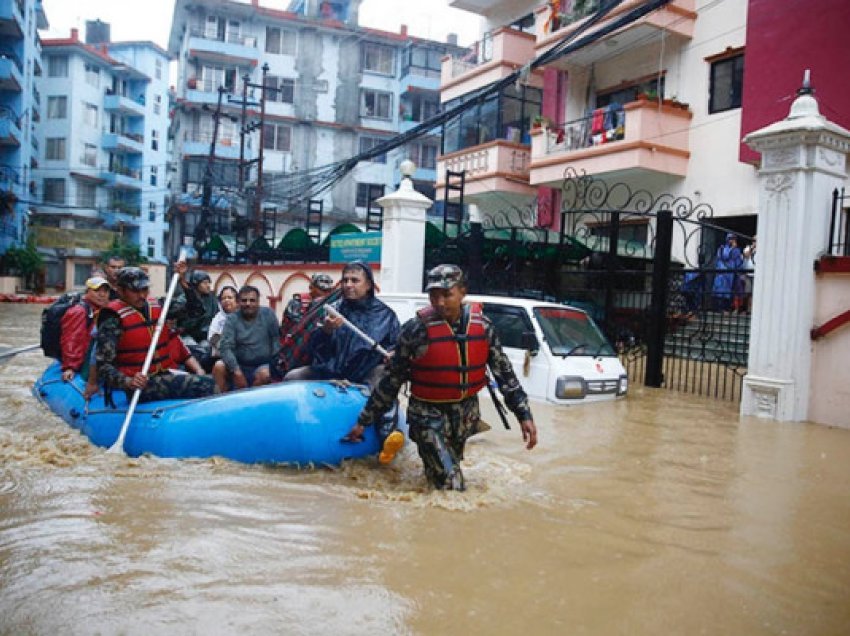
293	422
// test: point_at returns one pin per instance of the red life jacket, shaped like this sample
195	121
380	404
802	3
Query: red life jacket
453	366
136	338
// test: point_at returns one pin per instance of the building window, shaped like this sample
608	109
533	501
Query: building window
363	193
634	232
86	194
54	148
154	139
151	247
154	172
506	115
277	137
423	155
367	143
152	212
57	66
157	104
377	58
421	60
54	191
727	83
214	76
419	107
92	75
376	104
57	107
280	89
223	30
280	41
158	70
91	115
89	157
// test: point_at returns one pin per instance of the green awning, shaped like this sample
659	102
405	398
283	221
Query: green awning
345	228
223	244
296	240
259	244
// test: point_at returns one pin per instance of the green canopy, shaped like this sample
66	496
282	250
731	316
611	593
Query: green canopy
222	244
259	244
434	236
295	240
345	228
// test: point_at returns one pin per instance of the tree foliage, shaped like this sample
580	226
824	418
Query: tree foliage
24	261
129	252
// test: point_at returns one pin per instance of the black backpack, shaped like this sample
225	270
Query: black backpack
51	323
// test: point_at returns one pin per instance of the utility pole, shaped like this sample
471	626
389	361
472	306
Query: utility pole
246	79
206	197
249	128
259	196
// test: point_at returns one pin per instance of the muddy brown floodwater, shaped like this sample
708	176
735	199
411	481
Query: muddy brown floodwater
659	514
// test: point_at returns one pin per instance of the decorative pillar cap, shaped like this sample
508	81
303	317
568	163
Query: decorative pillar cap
805	105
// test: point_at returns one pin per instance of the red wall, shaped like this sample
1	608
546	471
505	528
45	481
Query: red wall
785	37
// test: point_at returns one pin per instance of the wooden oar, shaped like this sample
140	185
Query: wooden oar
14	352
118	446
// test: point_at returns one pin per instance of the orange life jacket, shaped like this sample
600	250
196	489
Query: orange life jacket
454	366
136	338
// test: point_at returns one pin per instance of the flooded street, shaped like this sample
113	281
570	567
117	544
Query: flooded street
659	514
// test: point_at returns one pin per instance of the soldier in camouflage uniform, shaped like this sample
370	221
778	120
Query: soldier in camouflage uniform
124	331
443	414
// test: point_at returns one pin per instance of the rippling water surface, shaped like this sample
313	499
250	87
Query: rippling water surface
659	514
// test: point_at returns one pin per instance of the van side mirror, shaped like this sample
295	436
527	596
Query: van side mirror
530	342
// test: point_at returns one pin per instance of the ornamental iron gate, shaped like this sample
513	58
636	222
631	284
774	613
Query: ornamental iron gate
682	324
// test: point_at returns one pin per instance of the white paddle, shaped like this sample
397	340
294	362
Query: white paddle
14	352
118	446
335	314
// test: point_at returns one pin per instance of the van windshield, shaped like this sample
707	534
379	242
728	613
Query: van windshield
571	332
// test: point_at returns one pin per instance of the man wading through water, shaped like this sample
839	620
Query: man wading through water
444	352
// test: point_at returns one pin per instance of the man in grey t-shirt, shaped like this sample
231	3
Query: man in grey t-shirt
249	341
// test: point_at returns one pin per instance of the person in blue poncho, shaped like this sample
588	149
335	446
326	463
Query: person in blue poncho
338	353
727	280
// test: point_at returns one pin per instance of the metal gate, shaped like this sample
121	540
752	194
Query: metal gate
612	256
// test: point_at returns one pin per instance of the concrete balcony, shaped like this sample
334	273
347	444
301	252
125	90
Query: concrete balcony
239	50
675	20
205	91
123	143
10	131
653	139
12	19
498	169
496	56
198	144
414	79
41	18
123	105
11	72
122	179
73	238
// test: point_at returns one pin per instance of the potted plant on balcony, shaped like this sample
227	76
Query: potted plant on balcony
540	121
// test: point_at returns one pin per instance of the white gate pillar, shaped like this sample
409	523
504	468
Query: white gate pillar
803	160
403	241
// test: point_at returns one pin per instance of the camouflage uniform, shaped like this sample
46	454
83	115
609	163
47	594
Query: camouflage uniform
162	386
440	429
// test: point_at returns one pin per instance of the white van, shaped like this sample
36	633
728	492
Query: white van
558	352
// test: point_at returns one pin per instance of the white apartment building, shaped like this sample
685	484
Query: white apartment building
335	89
103	172
666	91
